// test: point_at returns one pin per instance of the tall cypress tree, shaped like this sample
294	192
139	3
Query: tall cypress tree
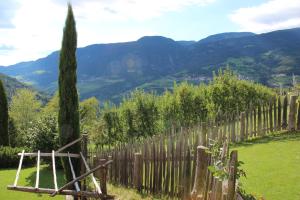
3	117
68	116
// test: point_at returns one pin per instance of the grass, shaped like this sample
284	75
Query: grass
122	193
272	166
27	178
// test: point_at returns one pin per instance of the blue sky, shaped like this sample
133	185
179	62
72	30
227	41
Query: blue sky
30	29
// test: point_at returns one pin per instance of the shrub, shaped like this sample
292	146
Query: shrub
9	157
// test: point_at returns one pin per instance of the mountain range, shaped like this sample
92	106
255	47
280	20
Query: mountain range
109	71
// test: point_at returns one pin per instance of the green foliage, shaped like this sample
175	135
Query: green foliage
9	157
4	138
24	111
68	115
144	114
89	111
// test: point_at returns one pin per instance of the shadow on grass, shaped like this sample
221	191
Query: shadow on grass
278	136
46	177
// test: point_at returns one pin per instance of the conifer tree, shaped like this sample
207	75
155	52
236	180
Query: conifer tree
3	117
68	116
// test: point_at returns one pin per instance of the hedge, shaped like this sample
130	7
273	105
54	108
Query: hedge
9	157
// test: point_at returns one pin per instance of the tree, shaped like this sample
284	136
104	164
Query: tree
89	111
4	141
68	115
24	110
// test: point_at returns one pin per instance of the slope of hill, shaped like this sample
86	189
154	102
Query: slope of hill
12	84
155	62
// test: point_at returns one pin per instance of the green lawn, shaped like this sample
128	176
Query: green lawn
272	166
27	178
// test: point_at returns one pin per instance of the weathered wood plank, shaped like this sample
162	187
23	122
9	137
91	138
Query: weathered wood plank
19	168
37	171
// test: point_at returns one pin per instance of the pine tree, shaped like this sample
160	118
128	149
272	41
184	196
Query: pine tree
3	117
68	116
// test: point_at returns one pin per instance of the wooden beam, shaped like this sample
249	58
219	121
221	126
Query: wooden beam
37	171
92	176
50	191
71	143
81	177
19	168
72	155
54	170
73	174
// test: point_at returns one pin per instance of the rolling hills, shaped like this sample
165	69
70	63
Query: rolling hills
108	71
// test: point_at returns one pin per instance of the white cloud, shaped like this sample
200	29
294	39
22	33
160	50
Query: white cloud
269	16
36	25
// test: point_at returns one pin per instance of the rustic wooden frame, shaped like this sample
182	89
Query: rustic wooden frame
62	190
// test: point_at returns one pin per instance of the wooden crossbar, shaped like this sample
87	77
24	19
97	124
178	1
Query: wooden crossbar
71	143
92	176
72	155
50	191
80	177
37	171
19	168
73	174
54	170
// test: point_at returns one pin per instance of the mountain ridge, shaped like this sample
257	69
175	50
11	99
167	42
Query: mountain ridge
155	62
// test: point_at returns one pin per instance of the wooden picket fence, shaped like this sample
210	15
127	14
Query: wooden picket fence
176	164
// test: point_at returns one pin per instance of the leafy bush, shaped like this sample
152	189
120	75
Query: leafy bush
9	157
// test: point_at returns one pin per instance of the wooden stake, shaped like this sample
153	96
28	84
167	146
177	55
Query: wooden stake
73	174
19	168
54	170
37	170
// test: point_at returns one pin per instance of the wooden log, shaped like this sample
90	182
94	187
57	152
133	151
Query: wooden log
243	127
284	113
201	173
72	155
92	176
37	171
292	113
51	191
137	172
233	136
69	144
19	169
73	174
81	177
232	175
259	121
54	171
83	184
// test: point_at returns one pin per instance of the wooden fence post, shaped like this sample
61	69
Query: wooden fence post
82	165
201	173
232	175
271	116
138	171
275	114
242	135
103	177
259	119
203	136
292	114
279	114
284	116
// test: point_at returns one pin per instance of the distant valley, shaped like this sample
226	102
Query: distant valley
109	71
